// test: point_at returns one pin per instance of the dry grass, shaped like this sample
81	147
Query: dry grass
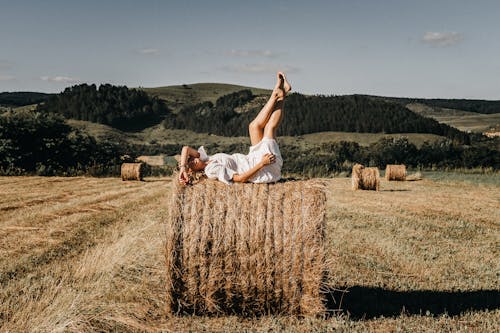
395	172
132	171
250	249
87	255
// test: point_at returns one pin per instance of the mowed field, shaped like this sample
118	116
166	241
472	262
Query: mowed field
86	254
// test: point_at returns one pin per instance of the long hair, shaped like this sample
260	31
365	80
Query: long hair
194	176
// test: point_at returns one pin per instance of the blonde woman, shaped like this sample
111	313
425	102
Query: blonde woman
263	162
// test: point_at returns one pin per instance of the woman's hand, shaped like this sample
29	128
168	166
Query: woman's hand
268	159
183	176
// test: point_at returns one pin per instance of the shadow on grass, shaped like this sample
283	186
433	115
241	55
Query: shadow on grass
368	302
395	190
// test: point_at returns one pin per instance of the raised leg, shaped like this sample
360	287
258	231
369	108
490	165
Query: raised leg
256	126
274	120
268	119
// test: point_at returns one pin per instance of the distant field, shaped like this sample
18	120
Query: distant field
463	120
161	135
86	254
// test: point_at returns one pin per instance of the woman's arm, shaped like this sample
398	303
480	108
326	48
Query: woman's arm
185	153
244	177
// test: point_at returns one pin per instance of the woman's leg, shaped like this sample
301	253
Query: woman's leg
274	120
270	115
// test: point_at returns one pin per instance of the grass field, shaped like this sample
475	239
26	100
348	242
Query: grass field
160	135
189	94
86	254
463	120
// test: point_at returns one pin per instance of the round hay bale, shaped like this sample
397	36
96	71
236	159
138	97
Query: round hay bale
132	171
248	249
356	176
395	172
365	178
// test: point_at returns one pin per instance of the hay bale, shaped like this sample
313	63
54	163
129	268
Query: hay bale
132	171
365	178
248	249
414	177
395	172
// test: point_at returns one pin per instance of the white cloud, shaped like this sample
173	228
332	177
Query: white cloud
253	53
59	79
149	50
6	77
435	38
260	68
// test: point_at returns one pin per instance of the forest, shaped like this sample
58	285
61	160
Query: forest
14	99
310	114
41	142
116	106
470	105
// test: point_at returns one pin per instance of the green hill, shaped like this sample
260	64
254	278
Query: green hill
469	105
309	114
463	120
180	96
22	98
158	135
117	106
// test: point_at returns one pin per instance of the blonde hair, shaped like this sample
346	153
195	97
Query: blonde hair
194	176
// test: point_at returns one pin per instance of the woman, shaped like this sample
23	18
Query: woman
263	162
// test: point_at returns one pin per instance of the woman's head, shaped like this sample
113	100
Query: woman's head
194	169
196	164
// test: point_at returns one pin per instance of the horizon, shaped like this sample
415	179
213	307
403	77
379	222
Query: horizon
225	83
430	49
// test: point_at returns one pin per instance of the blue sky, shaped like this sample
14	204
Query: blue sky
448	49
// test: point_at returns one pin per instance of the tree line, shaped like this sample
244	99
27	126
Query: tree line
332	158
34	142
22	98
310	114
116	106
471	105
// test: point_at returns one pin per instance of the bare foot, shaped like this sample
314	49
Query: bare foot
286	85
279	81
279	93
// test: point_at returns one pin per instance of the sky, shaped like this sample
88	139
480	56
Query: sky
419	48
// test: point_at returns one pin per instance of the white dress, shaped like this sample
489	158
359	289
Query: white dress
223	166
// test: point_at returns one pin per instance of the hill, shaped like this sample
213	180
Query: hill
158	135
309	114
475	115
180	96
469	105
22	98
478	116
218	109
117	106
463	120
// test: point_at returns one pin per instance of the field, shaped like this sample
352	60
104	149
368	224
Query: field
160	135
179	96
86	254
463	120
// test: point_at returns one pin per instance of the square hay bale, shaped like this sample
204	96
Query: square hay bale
395	172
246	249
